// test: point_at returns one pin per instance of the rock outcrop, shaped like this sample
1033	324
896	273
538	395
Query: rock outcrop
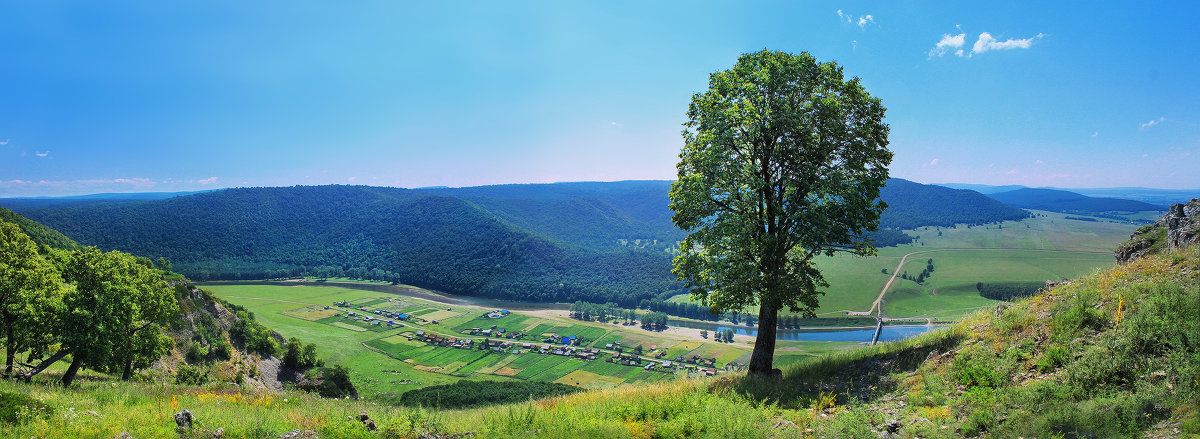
1178	228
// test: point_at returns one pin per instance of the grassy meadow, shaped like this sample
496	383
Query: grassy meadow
1045	247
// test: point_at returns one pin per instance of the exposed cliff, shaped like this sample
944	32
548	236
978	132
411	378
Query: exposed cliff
1178	228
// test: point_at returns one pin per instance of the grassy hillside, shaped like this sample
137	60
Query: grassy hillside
1109	355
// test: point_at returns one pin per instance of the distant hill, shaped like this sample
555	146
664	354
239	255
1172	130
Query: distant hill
1071	202
23	203
982	188
590	241
912	205
421	237
1157	197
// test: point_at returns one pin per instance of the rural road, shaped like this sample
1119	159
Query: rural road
876	305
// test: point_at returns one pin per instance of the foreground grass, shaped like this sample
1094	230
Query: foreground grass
1115	354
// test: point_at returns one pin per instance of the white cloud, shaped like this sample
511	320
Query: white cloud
1153	122
1145	155
1039	162
987	42
1097	133
948	43
137	182
42	154
5	142
209	180
1012	171
351	179
931	163
862	21
854	44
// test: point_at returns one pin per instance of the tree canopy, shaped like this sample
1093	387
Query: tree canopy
783	161
31	290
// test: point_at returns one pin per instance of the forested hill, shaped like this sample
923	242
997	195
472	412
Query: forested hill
912	205
410	236
597	242
41	235
1070	202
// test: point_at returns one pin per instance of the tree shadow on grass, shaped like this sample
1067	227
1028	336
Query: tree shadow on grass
863	374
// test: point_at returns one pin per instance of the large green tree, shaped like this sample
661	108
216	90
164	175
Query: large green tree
783	162
113	318
31	291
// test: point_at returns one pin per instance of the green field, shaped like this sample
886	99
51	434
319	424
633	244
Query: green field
1010	251
385	361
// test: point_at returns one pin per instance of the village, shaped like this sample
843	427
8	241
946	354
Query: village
499	340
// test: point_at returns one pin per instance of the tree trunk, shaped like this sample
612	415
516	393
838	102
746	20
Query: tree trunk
10	349
762	360
44	364
128	373
73	369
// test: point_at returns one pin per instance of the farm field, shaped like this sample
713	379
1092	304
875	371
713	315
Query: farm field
387	359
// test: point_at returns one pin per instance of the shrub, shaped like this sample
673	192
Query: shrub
191	375
15	407
976	367
1052	359
465	394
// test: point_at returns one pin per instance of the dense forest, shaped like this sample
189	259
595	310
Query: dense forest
598	242
912	205
1009	291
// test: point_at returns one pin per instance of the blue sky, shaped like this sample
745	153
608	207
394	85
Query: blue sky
173	96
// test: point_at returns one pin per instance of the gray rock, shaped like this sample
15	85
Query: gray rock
185	419
1182	224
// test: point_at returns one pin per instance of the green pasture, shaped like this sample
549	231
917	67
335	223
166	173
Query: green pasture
855	282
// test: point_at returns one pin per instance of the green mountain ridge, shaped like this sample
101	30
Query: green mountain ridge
597	242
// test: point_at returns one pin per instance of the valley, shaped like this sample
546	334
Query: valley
388	360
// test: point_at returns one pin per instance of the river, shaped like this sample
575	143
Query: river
890	333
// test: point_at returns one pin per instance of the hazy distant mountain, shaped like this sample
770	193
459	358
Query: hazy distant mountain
1157	197
1065	201
982	188
544	242
24	203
